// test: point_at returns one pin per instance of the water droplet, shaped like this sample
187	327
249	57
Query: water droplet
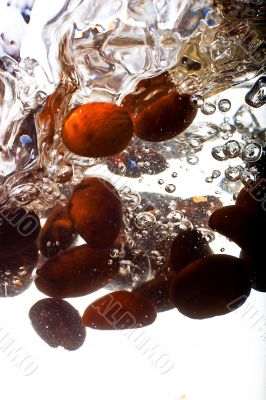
232	174
224	105
256	96
208	109
160	181
144	220
252	152
174	174
170	188
218	153
232	149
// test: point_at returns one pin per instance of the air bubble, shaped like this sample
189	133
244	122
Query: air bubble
197	100
247	177
192	160
130	198
144	220
160	181
256	96
195	144
216	173
218	153
175	216
209	179
208	109
232	149
170	188
232	174
224	105
252	152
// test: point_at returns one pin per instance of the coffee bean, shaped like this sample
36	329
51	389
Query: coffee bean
96	210
120	310
211	286
58	323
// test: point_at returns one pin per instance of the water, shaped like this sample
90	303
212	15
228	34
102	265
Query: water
100	51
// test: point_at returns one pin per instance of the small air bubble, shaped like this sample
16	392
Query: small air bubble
208	109
224	105
170	188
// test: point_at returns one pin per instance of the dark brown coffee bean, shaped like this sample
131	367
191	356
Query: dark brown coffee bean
211	286
147	92
96	210
254	198
76	272
58	323
120	310
257	270
165	118
16	272
58	232
187	247
18	229
157	290
243	226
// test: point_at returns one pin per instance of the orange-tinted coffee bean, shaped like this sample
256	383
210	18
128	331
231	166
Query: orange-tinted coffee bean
211	286
157	290
243	226
120	310
58	232
96	210
16	271
165	118
97	130
58	323
187	247
18	229
76	272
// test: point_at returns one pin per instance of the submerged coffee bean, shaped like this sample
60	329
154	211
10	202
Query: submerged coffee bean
257	271
187	247
76	272
18	229
243	226
157	290
120	310
97	130
96	210
58	323
165	118
209	286
254	198
58	232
